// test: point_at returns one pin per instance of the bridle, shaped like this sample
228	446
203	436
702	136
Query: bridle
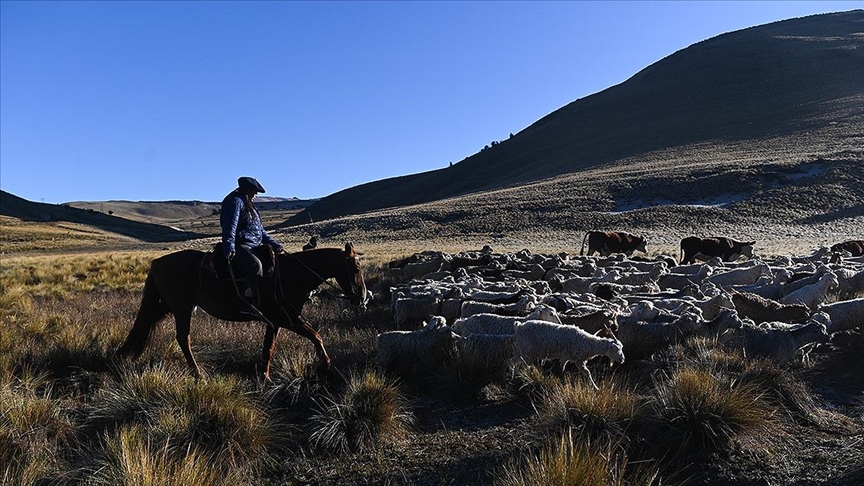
352	295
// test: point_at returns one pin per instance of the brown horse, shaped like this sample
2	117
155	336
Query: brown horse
176	285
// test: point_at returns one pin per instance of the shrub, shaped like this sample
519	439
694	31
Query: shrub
131	458
216	416
599	416
570	462
34	429
464	373
698	413
371	411
532	385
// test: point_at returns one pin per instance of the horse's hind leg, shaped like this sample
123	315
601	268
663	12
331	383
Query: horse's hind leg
269	346
184	320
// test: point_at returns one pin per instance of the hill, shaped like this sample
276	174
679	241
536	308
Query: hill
24	210
172	212
768	86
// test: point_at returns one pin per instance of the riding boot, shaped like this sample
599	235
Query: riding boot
250	304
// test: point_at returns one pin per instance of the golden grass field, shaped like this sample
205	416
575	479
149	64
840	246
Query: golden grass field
72	414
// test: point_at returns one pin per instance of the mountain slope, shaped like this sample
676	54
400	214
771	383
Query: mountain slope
16	207
762	83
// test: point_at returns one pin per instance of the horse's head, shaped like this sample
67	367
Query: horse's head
351	281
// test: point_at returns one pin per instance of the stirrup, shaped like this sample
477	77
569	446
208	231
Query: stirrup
250	308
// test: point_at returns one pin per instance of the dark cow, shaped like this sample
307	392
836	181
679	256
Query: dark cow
608	242
727	249
855	247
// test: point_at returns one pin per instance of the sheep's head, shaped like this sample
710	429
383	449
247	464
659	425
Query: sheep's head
816	332
436	322
615	352
725	320
645	311
544	312
821	318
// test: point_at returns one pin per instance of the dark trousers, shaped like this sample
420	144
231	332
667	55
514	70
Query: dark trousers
249	266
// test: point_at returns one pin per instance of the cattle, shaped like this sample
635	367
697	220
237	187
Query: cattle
855	247
727	249
608	242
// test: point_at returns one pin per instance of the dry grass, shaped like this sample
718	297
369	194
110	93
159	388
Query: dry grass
371	411
574	460
599	417
70	413
21	236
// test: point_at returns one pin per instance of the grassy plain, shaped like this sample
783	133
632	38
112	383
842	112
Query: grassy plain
72	414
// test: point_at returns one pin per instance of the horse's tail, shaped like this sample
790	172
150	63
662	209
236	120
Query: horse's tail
582	250
152	311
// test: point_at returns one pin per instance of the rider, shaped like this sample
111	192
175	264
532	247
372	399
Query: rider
241	232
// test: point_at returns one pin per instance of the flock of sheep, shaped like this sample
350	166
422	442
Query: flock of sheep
533	307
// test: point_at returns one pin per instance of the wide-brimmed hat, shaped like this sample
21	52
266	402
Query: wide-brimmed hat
249	183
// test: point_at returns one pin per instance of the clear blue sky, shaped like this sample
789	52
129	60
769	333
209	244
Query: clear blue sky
159	100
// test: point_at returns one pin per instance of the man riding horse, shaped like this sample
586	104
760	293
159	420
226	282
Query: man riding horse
242	231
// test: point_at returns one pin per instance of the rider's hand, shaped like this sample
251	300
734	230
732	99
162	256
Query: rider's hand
230	257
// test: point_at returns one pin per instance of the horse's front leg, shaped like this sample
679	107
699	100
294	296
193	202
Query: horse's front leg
303	328
269	347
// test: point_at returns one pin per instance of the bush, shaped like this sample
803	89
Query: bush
571	461
371	411
598	416
698	413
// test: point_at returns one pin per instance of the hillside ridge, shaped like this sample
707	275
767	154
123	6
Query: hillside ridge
760	83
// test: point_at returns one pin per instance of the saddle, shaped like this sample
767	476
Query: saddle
215	264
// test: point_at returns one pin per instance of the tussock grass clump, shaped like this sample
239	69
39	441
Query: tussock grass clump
371	411
532	385
465	372
599	416
132	458
779	384
698	413
571	461
34	429
216	416
782	389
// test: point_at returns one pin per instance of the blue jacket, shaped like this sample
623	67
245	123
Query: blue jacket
241	226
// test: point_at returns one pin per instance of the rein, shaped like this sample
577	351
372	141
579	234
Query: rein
341	294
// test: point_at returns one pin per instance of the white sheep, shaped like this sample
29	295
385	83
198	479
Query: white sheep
408	310
496	324
740	276
523	306
781	345
810	279
851	282
725	320
708	307
579	285
674	280
844	315
641	339
539	340
494	348
412	348
812	295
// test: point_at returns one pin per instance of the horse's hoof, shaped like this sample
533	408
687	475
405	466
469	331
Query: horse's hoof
265	379
324	368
